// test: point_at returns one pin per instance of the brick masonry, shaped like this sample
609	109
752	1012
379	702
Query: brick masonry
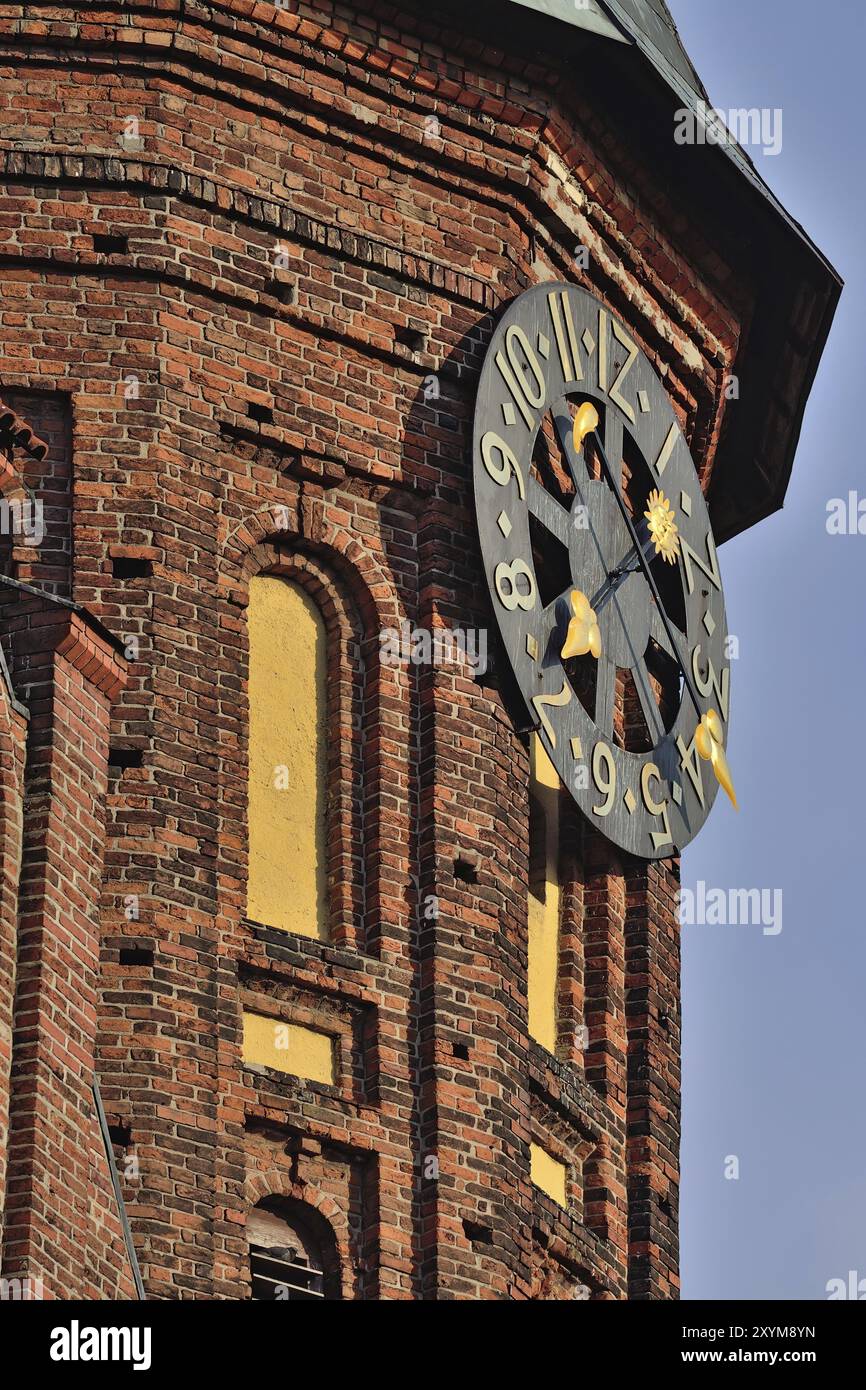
314	210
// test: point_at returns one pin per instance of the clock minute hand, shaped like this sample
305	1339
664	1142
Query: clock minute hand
648	574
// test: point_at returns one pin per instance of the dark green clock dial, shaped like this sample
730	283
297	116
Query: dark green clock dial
620	727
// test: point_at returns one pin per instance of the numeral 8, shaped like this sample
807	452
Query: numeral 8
514	598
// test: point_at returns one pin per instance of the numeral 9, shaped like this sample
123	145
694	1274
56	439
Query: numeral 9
502	472
604	777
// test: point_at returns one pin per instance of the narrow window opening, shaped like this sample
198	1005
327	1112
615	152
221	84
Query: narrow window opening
543	900
287	773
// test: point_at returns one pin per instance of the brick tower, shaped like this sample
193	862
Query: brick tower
270	891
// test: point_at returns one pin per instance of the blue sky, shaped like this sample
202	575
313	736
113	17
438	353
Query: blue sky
774	1027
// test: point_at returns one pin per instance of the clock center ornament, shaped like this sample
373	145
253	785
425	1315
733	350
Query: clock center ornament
602	569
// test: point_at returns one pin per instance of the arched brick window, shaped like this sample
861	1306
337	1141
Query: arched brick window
287	770
293	1253
311	764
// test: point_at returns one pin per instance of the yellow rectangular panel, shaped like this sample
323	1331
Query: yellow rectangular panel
548	1174
287	1047
543	907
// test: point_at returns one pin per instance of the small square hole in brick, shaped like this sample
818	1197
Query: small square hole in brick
262	414
410	338
130	567
136	955
110	243
476	1233
465	871
121	758
121	1135
461	1050
284	291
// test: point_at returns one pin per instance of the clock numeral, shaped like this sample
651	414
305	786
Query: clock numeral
539	701
655	808
509	573
602	350
690	763
569	356
528	395
720	689
502	472
667	449
711	570
616	390
605	780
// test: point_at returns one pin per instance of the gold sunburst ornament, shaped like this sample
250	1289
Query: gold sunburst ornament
583	631
662	526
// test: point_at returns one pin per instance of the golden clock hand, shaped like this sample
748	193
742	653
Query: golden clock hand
585	421
583	631
708	741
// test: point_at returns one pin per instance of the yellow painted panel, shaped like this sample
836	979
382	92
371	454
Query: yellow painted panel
543	947
268	1042
287	880
548	1174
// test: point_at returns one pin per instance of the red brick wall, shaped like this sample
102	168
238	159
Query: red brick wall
13	732
310	132
61	1222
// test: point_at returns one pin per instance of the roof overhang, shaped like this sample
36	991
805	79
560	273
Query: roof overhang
588	15
798	288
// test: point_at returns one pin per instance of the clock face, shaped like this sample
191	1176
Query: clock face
610	606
